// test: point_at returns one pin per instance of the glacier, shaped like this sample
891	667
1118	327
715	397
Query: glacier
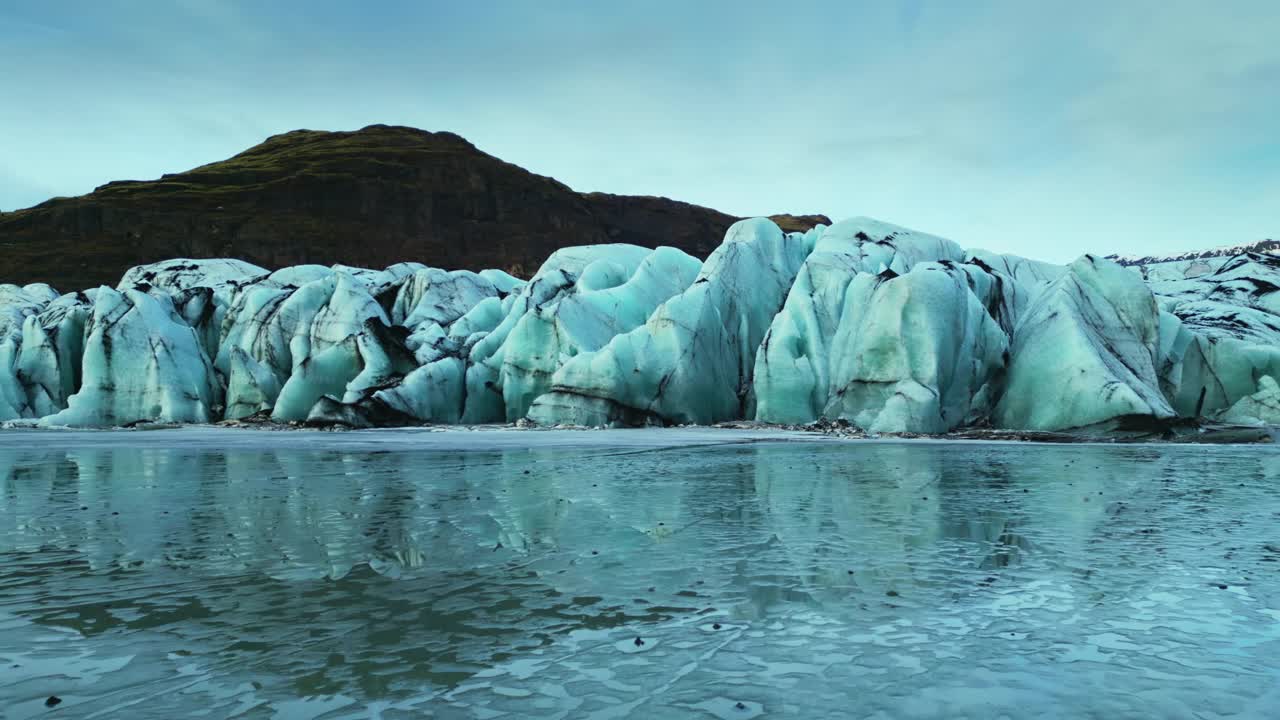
883	327
888	329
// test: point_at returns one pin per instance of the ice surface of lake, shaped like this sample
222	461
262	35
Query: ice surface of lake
651	574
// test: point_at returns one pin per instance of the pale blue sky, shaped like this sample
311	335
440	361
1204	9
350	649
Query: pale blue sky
1047	129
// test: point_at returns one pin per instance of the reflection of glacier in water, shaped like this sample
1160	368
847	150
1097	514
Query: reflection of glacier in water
319	575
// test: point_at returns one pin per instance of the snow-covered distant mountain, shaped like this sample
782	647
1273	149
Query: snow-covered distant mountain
1265	247
1191	264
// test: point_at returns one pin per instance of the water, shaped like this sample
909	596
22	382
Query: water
200	573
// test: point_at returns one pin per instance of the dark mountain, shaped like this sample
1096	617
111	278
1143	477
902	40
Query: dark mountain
370	198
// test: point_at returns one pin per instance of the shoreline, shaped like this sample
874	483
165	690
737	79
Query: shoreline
513	436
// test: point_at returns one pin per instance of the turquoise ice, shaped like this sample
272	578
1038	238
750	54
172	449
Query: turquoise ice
890	329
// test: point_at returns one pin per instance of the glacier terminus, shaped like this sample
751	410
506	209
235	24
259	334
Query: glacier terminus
889	329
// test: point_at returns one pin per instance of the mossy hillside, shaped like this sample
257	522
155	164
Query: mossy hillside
369	197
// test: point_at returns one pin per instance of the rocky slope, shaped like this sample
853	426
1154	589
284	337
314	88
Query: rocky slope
372	197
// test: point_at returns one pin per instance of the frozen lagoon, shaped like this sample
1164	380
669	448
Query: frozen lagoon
215	573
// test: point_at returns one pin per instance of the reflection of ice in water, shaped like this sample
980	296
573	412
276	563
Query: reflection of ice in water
327	579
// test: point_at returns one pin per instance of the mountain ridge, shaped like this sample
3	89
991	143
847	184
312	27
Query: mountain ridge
1262	247
369	197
